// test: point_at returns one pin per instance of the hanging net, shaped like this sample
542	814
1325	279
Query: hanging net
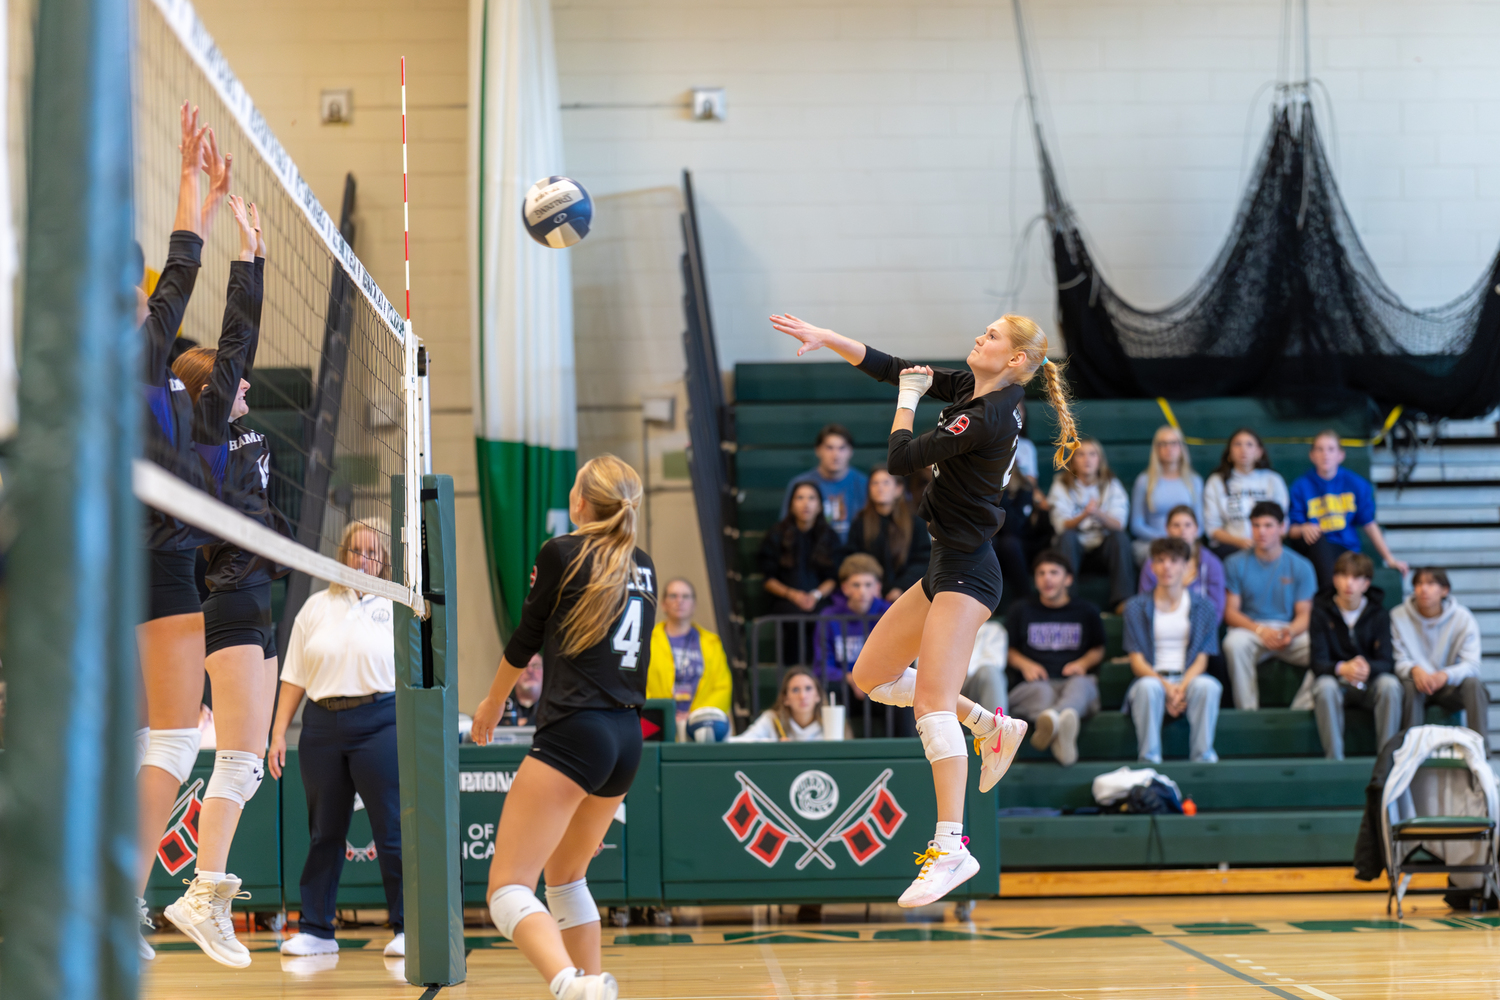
1292	307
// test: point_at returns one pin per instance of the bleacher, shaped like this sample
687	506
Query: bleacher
1271	800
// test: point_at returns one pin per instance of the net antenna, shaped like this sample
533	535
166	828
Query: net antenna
412	549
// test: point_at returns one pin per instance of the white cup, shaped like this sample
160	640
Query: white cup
833	722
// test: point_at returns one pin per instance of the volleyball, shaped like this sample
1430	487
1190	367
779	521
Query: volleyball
557	212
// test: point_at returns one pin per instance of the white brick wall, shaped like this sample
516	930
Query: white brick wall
864	176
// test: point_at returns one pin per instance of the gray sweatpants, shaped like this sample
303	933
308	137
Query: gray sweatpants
1030	699
1468	695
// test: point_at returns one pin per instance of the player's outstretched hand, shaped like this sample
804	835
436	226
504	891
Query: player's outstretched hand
808	336
260	235
486	718
247	232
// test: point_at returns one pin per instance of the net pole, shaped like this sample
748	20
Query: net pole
412	515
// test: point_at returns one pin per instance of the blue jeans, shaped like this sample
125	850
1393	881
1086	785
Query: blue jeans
341	753
1146	701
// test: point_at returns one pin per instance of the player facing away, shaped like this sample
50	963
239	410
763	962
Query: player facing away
590	612
971	451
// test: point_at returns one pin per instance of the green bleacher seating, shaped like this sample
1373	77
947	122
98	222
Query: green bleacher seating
1302	783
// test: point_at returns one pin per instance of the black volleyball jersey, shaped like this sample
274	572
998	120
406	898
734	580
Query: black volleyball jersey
971	451
169	434
611	674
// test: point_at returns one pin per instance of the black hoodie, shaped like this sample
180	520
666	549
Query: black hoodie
1333	641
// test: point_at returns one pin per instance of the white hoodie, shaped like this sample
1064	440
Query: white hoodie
1449	642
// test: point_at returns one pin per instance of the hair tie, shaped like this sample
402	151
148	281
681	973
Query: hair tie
1045	361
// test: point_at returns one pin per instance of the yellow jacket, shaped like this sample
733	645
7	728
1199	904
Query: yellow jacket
713	687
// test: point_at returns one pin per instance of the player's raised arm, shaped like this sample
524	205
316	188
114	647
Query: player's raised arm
813	337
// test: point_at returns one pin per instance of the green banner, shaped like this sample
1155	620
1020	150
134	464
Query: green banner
523	497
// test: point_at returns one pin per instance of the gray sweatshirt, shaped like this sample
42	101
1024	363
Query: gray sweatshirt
1449	642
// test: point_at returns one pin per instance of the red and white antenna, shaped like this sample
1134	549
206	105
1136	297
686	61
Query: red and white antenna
405	208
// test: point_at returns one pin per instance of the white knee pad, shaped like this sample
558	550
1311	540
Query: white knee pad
142	742
898	692
942	736
510	904
237	774
572	904
173	750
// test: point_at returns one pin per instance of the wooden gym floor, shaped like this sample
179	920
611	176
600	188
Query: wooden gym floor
1333	946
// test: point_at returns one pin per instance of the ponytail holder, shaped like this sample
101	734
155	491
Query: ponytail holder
1045	361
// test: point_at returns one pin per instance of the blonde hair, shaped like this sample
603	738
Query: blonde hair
1025	335
1101	478
613	490
1153	464
375	526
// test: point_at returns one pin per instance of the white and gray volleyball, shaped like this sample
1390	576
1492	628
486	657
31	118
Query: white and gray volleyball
557	212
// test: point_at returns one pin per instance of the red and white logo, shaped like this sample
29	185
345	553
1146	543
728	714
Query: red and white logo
960	425
532	581
766	830
179	845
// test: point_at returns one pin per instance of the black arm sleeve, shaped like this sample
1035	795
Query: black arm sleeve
1323	654
168	302
906	454
257	296
532	632
947	384
211	412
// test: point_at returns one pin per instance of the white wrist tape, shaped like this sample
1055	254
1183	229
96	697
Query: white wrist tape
572	904
913	386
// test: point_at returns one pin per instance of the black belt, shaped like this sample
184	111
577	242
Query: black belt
344	704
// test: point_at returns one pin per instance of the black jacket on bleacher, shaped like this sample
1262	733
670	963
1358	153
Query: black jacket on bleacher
1333	641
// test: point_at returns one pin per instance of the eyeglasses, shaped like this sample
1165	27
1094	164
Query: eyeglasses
372	556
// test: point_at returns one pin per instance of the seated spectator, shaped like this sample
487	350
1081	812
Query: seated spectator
985	685
1243	479
842	488
688	663
1055	643
1169	482
1204	573
839	642
1026	528
889	529
799	558
1268	608
1352	663
1089	510
795	716
1170	633
1328	503
523	698
1436	642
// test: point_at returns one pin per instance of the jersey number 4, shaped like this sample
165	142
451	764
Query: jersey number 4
627	640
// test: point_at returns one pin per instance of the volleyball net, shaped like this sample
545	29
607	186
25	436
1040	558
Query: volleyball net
334	387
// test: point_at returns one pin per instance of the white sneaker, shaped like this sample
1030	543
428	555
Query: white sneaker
203	914
1065	740
397	947
600	987
147	952
1046	722
942	872
306	944
997	750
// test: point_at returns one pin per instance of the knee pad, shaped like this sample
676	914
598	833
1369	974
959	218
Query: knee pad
898	692
572	905
942	736
237	774
173	750
142	743
510	904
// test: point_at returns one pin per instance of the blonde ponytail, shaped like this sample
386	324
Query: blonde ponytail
1025	335
613	490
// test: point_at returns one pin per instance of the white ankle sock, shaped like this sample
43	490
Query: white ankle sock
199	873
949	836
980	722
561	980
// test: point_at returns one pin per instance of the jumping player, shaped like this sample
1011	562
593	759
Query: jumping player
240	640
971	450
591	610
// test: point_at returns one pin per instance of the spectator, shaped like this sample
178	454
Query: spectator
525	695
1268	608
794	717
1328	503
986	681
1170	633
842	488
888	529
799	558
839	642
688	663
1204	573
1055	643
1436	643
1024	505
1243	479
1169	482
1352	663
1089	510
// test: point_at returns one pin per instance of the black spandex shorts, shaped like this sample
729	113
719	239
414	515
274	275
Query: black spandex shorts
974	573
172	588
600	750
239	618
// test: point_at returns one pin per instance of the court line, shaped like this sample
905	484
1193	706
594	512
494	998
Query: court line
1316	992
774	968
1275	990
432	991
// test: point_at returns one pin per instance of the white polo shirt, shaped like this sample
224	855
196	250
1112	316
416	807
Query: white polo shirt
342	646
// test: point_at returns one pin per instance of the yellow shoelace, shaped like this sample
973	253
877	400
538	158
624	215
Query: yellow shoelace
927	857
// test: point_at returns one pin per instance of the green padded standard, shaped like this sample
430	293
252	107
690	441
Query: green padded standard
1308	783
1438	827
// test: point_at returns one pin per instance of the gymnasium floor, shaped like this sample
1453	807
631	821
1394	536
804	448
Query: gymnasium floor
1325	946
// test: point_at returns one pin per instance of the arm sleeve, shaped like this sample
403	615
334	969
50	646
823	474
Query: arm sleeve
947	384
1137	638
1296	508
168	302
906	454
1213	505
1213	584
1138	498
257	297
211	412
1465	655
1323	656
1405	655
531	633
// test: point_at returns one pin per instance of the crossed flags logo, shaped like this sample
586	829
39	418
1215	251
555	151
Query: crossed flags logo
765	829
179	845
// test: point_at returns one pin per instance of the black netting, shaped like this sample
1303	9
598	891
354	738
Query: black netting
1292	307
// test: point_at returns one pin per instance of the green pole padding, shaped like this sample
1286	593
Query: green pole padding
67	851
427	745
